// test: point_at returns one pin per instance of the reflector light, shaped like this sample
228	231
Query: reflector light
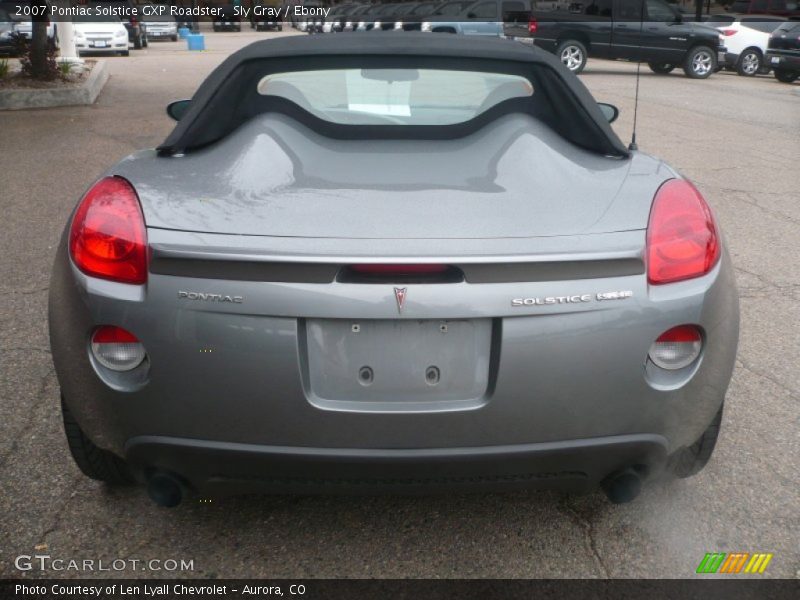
533	25
677	348
116	348
728	32
108	237
682	239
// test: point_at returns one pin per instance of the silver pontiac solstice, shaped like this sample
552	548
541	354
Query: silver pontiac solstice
391	262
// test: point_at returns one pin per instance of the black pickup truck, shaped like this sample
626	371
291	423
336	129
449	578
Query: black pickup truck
617	29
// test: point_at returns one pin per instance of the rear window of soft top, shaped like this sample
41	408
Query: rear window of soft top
395	96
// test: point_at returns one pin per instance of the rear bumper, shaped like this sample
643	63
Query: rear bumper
111	49
789	62
218	468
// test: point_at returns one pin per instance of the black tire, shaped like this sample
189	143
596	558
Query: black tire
174	38
125	53
661	68
786	76
700	62
690	461
94	462
280	27
572	55
750	62
145	41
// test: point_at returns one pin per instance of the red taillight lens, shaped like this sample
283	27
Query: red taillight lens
111	334
677	348
533	25
389	269
108	238
682	238
116	348
728	32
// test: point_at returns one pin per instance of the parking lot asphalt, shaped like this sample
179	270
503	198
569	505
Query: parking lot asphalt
737	138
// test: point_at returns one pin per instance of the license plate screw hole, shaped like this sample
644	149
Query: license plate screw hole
443	327
355	328
365	376
432	375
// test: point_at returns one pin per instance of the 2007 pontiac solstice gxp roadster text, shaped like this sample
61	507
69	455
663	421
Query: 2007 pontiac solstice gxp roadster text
399	263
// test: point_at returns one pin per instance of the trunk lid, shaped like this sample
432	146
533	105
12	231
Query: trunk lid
515	178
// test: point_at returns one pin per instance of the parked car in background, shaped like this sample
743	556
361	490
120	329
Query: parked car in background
311	23
746	40
100	34
783	52
383	17
7	43
411	20
161	27
24	28
367	19
386	18
266	20
782	8
484	17
137	30
227	20
333	22
350	20
618	29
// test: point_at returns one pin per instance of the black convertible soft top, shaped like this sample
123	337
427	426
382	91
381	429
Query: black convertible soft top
229	97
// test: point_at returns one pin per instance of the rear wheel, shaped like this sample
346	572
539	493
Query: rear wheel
786	76
572	54
749	63
661	68
94	462
700	62
137	41
690	461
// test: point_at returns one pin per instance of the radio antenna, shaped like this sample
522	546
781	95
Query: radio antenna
632	146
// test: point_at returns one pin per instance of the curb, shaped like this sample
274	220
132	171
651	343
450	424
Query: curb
20	99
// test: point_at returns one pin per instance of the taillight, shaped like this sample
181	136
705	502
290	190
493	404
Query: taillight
728	32
108	238
116	348
682	238
533	25
676	348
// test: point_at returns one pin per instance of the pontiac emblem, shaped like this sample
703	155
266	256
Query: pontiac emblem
400	296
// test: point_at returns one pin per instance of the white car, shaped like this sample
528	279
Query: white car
100	34
162	27
746	39
25	29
